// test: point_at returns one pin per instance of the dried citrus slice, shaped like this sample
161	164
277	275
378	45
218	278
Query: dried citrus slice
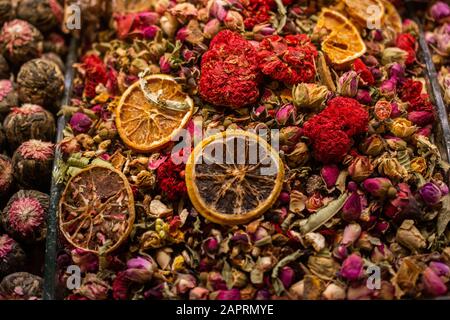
363	12
233	177
344	43
391	17
96	210
151	112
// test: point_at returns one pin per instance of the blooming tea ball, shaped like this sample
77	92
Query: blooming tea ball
24	217
12	257
20	41
6	11
53	57
28	122
21	286
32	163
44	14
6	176
8	97
4	68
41	82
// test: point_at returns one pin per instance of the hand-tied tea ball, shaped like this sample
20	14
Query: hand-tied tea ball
44	14
8	97
6	176
28	122
41	82
24	217
21	286
6	11
12	257
20	41
4	68
32	164
55	58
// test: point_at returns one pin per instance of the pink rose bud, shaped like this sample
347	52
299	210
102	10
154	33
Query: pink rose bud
182	34
348	84
140	269
233	294
440	268
211	28
218	10
340	252
286	114
150	32
198	293
351	234
164	64
409	26
287	275
421	118
380	187
388	87
352	267
211	245
234	20
395	112
329	174
430	38
80	122
184	283
352	207
433	284
430	193
442	186
397	71
440	10
363	96
443	44
426	131
284	197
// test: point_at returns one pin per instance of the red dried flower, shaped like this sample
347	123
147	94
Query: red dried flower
411	89
229	72
256	12
171	180
120	286
421	103
95	74
407	42
363	71
331	146
289	59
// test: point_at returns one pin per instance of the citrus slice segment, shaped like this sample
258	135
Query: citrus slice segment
391	17
364	11
233	177
96	210
343	44
151	112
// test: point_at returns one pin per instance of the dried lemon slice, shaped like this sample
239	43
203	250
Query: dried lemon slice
96	210
363	12
391	17
343	44
233	177
151	112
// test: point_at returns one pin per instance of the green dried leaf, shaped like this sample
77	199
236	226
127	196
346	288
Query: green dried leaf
227	275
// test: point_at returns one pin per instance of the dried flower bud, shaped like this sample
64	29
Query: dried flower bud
93	288
289	136
419	165
360	168
440	268
21	286
334	292
352	207
80	122
286	114
352	267
372	146
44	14
397	71
393	54
351	234
20	41
234	21
396	143
433	284
32	163
390	167
29	122
299	156
198	293
439	11
381	253
184	283
87	261
430	193
421	118
389	87
316	240
363	96
348	84
380	187
330	174
24	217
211	28
6	176
140	269
218	10
8	96
12	257
169	24
309	95
41	82
233	294
409	236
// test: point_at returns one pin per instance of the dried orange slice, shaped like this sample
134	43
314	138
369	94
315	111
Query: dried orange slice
96	210
392	18
344	43
363	12
151	112
233	177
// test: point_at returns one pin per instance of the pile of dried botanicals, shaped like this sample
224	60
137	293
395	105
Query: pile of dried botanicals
32	48
364	186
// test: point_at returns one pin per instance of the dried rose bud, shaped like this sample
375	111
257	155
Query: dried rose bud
393	54
198	293
211	28
389	87
21	286
410	237
421	118
286	114
12	257
80	122
8	96
140	269
299	156
410	26
233	294
41	82
397	71
289	136
352	207
32	163
363	96
440	268
211	245
351	234
430	193
340	252
24	217
44	14
218	10
352	267
442	186
439	11
215	281
87	261
309	95
316	240
6	176
372	146
330	174
20	41
348	84
433	283
334	292
380	187
184	283
381	253
360	168
396	143
93	288
286	275
234	21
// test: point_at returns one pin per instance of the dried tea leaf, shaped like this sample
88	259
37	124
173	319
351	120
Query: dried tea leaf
410	237
406	278
325	267
444	216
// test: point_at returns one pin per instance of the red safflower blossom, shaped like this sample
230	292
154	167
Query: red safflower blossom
256	11
229	71
331	146
421	103
407	42
363	72
289	59
95	74
171	180
411	89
